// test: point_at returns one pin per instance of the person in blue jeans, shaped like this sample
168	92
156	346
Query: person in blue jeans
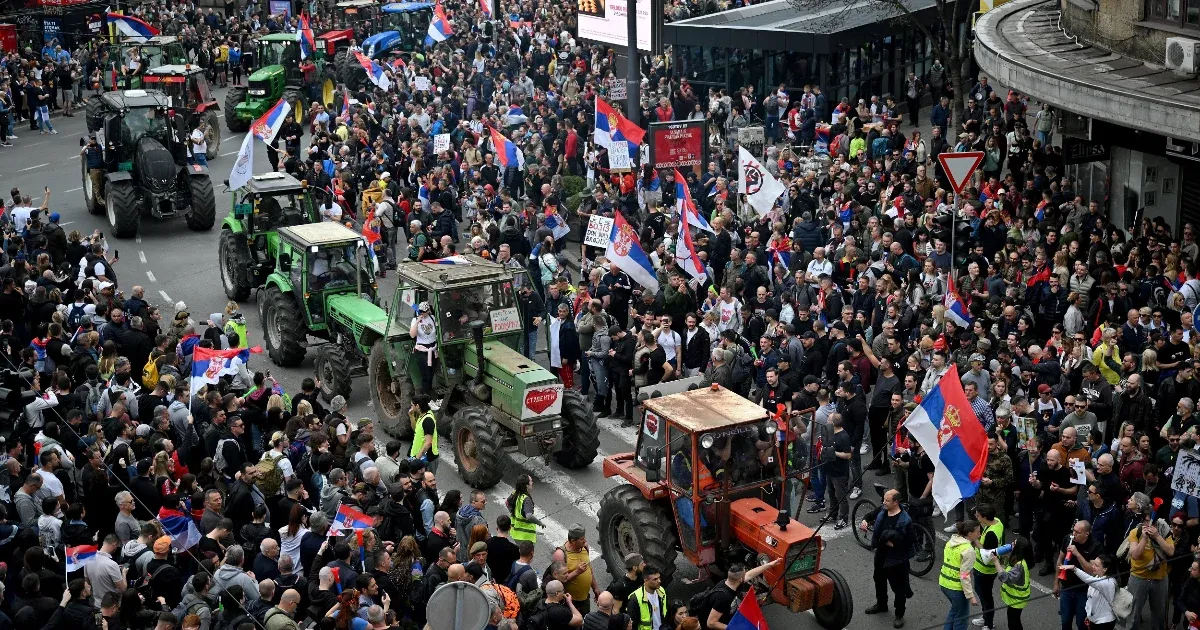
958	559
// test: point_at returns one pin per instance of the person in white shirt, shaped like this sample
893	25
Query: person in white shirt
197	147
670	342
730	310
331	211
817	267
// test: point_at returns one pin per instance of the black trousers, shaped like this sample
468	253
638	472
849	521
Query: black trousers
895	576
1014	618
877	426
984	585
914	111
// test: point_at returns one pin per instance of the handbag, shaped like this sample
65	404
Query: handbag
1122	604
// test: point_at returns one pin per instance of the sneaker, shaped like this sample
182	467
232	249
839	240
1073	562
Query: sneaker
841	524
6	144
54	132
855	493
875	610
937	511
864	449
816	508
12	137
949	529
898	623
978	621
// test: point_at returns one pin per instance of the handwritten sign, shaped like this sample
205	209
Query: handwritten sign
441	142
505	319
422	84
599	231
1186	477
618	156
618	91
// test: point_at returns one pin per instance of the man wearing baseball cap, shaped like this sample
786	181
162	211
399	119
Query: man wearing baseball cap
580	581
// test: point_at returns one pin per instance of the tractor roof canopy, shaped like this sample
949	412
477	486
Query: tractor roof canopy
279	37
405	7
133	99
270	183
319	234
436	276
176	70
705	410
157	40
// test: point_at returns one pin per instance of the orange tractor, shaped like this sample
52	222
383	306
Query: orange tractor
709	479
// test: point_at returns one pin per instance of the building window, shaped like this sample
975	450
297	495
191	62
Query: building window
1178	12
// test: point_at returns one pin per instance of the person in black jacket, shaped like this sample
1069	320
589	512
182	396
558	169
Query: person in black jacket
563	336
75	611
532	307
696	345
621	372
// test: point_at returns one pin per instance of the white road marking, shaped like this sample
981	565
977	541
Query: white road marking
553	532
33	167
65	224
230	139
230	153
73	189
142	256
150	274
165	297
614	428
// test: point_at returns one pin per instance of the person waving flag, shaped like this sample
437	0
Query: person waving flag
953	438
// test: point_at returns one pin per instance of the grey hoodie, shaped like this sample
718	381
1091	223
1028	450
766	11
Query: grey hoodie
178	413
228	575
205	612
332	497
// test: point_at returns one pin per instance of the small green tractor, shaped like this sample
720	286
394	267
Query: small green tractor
280	74
491	396
249	241
160	50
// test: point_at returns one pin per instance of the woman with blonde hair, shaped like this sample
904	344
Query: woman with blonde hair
108	359
1149	366
1106	355
1062	266
162	470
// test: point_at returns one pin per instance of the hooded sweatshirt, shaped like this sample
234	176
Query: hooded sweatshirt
467	518
968	563
199	605
332	496
228	575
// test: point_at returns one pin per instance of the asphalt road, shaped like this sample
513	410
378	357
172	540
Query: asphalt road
174	263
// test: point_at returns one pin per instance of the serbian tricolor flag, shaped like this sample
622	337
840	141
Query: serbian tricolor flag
208	365
374	71
683	201
371	237
133	27
308	43
346	105
448	260
516	116
507	153
625	249
269	124
485	7
749	615
180	527
439	27
611	125
685	250
956	309
78	557
1040	212
557	225
946	426
350	518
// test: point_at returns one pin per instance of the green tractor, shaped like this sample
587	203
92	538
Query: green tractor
249	241
279	75
160	50
492	397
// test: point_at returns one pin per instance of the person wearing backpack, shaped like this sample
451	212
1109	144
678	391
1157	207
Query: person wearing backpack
198	602
716	606
557	611
274	468
229	453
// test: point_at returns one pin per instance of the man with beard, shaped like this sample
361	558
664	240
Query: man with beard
1056	505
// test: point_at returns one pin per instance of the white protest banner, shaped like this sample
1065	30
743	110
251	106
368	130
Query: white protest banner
441	142
422	83
618	156
1186	476
505	319
599	229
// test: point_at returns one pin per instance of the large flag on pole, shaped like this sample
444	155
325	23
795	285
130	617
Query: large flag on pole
683	198
268	125
130	26
439	27
685	251
625	250
956	309
508	154
304	35
760	187
953	438
374	71
612	126
209	365
243	164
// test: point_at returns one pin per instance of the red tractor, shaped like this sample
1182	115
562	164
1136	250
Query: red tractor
190	94
709	479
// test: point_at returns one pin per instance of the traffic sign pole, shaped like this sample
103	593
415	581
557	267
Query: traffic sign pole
959	168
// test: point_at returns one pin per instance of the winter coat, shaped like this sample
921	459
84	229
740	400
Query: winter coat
467	518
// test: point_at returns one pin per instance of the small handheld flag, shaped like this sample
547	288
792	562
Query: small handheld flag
749	615
350	518
374	71
79	557
269	124
439	27
180	527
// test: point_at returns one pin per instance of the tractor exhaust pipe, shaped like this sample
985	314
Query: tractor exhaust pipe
477	333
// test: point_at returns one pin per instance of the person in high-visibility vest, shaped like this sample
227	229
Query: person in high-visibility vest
991	536
425	437
958	560
1015	580
520	510
648	604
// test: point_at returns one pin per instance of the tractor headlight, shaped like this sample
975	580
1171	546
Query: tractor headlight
557	424
706	441
772	427
257	92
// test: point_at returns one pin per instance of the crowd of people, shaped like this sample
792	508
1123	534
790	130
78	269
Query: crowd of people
854	295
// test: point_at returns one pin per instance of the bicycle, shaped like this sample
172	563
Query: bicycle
924	541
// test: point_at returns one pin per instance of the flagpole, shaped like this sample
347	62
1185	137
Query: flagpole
633	97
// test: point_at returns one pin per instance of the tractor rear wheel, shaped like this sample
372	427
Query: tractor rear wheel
295	98
283	326
345	65
478	448
838	612
234	261
91	196
333	370
213	121
120	202
629	523
581	433
203	214
94	115
234	97
391	394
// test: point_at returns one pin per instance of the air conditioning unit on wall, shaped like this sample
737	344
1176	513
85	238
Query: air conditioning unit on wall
1183	55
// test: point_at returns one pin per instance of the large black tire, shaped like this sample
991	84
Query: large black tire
213	120
233	98
629	523
345	63
581	432
295	98
94	114
120	203
91	197
284	332
333	370
478	448
838	612
234	262
203	214
391	395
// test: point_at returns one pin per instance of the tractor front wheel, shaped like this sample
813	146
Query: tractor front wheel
203	214
391	394
333	370
629	523
285	333
478	448
581	432
213	121
91	195
234	261
234	97
839	611
120	202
